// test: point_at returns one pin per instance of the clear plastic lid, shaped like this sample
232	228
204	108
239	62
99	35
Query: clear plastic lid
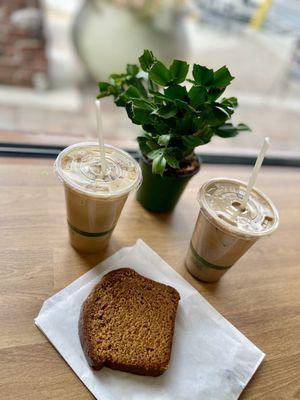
221	199
79	167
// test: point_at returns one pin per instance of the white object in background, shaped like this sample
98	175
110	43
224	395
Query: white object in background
210	358
64	67
107	37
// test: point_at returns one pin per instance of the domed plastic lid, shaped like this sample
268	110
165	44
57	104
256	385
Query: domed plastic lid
79	167
221	200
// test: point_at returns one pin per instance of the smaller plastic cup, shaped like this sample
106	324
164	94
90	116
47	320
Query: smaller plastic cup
94	202
223	232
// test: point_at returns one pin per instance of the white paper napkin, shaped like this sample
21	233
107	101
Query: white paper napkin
211	359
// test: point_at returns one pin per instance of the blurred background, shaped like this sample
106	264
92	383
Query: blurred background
53	52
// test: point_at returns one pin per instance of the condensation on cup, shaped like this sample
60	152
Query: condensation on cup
223	231
94	200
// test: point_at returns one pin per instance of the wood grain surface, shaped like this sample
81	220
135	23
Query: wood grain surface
260	295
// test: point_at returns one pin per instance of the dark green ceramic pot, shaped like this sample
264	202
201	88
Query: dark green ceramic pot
161	193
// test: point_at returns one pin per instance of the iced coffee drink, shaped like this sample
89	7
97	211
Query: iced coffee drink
94	198
224	231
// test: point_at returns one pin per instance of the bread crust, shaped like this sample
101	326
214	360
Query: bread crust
96	362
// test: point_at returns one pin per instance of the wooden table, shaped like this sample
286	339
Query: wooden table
260	295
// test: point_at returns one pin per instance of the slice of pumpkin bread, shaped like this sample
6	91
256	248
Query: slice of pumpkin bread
127	323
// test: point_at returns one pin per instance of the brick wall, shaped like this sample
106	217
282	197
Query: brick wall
22	43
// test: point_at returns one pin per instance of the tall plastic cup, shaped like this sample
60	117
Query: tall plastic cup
223	231
94	201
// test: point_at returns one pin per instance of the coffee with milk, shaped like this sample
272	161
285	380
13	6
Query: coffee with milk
224	231
94	199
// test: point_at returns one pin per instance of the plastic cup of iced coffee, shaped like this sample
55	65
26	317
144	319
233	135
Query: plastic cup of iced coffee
94	199
224	231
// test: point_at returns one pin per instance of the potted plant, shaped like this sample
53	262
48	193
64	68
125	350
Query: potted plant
175	120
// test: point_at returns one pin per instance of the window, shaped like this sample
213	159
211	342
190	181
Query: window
52	53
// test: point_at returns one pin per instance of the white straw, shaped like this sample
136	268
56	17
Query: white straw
255	171
100	137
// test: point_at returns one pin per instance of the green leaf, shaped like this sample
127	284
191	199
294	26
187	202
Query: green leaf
222	77
143	145
106	89
202	75
134	102
197	95
152	144
161	99
122	100
143	103
217	116
149	128
243	127
161	127
129	109
171	160
179	70
152	86
132	92
117	77
181	103
139	112
176	92
215	93
184	105
103	94
185	125
192	141
163	140
159	73
227	106
154	153
226	132
199	123
221	111
147	60
132	69
103	86
207	137
137	83
141	116
167	111
229	130
159	165
230	102
147	135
